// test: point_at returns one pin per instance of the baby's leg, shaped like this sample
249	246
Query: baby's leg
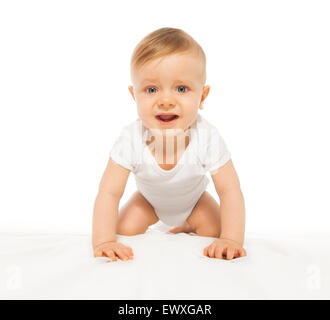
204	219
135	216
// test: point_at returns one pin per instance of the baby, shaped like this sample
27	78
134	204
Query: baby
170	148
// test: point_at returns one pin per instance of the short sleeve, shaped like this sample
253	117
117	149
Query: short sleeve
122	151
217	153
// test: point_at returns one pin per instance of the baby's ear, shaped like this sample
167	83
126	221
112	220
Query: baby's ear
131	90
206	91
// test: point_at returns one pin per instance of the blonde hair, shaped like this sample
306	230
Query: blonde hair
163	42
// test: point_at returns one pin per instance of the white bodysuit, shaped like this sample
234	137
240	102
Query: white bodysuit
172	193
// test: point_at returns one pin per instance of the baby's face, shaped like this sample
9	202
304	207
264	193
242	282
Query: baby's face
170	85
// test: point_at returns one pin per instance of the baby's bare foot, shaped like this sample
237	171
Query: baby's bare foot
183	227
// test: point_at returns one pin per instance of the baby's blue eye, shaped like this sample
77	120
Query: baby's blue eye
150	88
184	88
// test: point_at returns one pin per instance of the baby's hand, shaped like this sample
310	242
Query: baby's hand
111	249
224	248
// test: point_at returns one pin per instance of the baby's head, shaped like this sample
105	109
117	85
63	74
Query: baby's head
168	73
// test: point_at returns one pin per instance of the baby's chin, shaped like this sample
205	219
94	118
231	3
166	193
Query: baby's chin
168	132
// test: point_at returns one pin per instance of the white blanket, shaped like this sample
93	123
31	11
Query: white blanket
165	266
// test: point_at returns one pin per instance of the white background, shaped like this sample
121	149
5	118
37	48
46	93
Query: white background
64	73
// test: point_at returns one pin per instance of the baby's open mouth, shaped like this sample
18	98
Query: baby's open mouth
167	117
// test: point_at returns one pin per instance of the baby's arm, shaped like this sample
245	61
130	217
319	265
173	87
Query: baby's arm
111	189
232	213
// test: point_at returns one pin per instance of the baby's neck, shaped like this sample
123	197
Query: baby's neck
173	143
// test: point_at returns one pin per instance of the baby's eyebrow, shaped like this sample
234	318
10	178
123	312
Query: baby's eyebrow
183	81
149	80
175	81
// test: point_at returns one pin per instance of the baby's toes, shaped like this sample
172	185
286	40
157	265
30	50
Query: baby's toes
176	229
184	227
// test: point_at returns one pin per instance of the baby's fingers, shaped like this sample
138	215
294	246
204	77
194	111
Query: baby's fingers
237	253
230	253
206	251
219	252
129	252
98	253
211	250
110	254
121	254
242	252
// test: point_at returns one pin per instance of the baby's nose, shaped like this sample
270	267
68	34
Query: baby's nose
166	101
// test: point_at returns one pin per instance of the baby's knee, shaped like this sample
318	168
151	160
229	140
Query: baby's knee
129	228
